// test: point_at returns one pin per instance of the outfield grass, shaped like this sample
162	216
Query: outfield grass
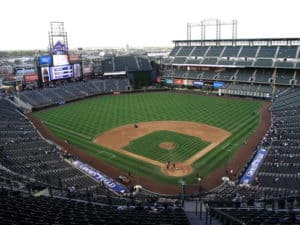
148	146
82	121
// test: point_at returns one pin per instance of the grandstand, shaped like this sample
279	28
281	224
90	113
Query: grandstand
263	63
29	159
60	94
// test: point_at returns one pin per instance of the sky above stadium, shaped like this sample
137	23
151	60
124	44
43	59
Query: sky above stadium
115	23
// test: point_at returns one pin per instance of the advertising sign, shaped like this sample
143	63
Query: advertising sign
101	178
74	58
169	81
253	167
218	84
31	77
198	83
87	70
178	81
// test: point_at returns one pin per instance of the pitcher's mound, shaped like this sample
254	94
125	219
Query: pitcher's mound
167	145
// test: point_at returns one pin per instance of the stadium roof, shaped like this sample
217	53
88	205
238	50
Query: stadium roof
250	41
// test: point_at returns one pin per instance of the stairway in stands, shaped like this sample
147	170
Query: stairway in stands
196	218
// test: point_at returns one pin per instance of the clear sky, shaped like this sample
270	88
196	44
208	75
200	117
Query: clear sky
115	23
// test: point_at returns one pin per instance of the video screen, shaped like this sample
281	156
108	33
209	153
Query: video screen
61	72
60	60
45	60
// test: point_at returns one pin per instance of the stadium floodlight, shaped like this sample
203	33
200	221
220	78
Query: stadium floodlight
215	23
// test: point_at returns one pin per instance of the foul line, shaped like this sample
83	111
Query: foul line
69	131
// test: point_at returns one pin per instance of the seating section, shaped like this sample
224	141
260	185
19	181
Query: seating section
26	158
143	64
247	63
19	208
244	75
249	56
209	61
226	75
250	216
263	63
193	61
284	76
179	60
184	51
199	51
194	74
71	91
263	75
231	51
284	64
298	79
280	170
287	52
174	51
107	65
215	51
209	75
225	62
125	63
129	63
180	73
267	52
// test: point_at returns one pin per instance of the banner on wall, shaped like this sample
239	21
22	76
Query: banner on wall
198	83
218	84
169	81
31	77
178	81
248	176
100	177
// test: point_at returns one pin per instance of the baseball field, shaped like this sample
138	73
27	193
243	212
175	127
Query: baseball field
161	136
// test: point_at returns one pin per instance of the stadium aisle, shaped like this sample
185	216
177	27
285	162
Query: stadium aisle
190	210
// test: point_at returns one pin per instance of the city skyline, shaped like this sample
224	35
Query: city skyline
91	23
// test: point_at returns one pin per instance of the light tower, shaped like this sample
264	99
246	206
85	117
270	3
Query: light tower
57	35
218	24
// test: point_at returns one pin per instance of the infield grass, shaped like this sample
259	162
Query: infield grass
148	146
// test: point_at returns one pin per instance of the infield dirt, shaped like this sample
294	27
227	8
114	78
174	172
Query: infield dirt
117	138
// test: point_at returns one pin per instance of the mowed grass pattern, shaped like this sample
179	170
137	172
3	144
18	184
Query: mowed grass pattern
80	122
148	146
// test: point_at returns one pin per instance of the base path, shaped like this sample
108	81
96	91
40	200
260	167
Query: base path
117	138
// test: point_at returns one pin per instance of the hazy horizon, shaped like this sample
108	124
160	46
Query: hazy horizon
115	23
